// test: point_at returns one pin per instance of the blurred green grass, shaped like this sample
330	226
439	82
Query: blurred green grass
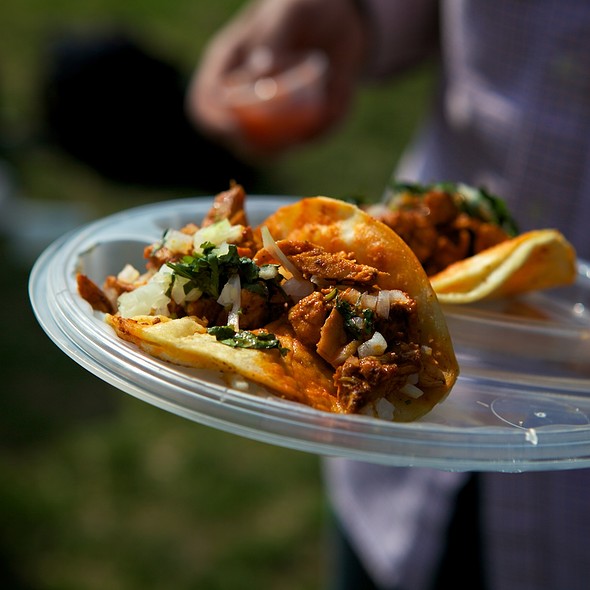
98	489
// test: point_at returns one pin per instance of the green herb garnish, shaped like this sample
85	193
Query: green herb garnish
246	339
358	322
210	270
475	202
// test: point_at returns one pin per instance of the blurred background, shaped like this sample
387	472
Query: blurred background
97	489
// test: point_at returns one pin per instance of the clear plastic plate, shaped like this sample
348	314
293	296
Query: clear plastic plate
522	401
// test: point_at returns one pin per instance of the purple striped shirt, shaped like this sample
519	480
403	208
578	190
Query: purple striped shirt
512	114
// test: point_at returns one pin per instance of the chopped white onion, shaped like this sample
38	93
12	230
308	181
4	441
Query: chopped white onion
351	295
148	299
384	409
179	293
411	391
178	242
129	274
386	298
233	319
297	289
357	322
222	249
237	382
217	233
346	351
397	296
380	302
230	299
269	243
268	272
382	306
375	346
368	301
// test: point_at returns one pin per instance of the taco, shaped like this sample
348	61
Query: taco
532	261
469	244
321	304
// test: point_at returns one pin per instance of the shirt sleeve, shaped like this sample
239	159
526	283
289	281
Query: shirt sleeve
402	32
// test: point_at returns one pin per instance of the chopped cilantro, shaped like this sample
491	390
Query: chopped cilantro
210	270
476	202
358	322
246	339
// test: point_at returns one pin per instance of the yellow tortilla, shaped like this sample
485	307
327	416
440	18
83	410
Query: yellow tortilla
339	226
534	260
297	375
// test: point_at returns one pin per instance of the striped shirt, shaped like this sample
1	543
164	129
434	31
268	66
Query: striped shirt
512	114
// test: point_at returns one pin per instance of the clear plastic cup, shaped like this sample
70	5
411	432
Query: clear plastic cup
277	103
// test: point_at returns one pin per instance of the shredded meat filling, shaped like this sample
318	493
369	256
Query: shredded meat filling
312	260
92	293
228	205
333	339
308	317
318	324
438	232
362	380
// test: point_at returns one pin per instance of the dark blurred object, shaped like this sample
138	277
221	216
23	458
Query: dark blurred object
120	110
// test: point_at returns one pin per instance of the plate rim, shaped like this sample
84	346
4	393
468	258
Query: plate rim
49	276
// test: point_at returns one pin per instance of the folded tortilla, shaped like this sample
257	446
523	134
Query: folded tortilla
339	226
296	375
535	260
